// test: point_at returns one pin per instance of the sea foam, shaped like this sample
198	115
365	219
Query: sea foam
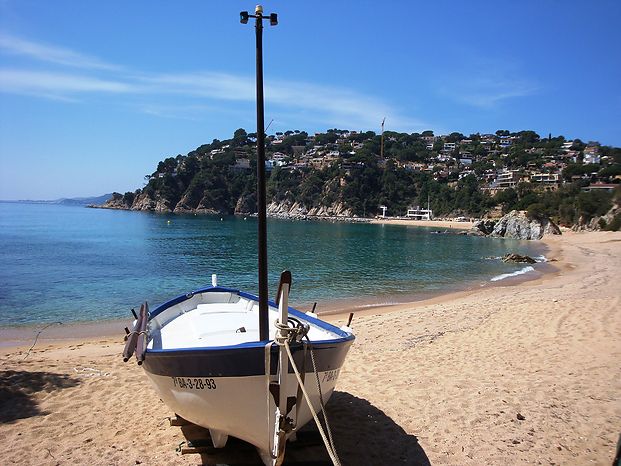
513	274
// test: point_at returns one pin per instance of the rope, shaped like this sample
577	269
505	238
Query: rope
329	448
323	406
268	371
144	332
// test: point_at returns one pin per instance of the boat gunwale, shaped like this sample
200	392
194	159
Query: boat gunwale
344	335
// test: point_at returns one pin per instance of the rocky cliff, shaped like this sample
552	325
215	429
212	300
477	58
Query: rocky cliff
517	225
609	221
246	205
116	201
297	210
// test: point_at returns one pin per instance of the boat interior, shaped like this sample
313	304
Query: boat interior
217	318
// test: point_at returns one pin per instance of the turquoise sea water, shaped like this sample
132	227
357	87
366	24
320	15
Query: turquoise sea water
76	264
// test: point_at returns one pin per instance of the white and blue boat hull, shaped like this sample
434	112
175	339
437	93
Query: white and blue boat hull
225	385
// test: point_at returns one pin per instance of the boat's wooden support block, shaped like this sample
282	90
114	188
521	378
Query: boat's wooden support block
177	420
196	450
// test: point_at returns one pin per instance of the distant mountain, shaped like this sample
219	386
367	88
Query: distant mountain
84	200
76	201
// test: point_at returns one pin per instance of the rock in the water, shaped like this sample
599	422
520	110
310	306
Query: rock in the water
518	226
513	257
246	205
484	226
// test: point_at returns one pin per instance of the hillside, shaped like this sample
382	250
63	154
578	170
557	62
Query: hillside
348	173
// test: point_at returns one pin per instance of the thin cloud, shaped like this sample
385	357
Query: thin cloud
57	85
176	112
48	53
328	105
200	84
485	83
488	92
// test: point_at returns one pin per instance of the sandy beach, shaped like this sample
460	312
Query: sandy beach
441	224
517	374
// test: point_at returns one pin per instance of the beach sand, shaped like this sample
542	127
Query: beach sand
441	224
521	374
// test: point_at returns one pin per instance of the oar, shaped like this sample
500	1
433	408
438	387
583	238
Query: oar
132	339
282	334
285	279
141	345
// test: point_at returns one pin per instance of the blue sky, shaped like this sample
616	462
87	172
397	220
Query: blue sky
94	94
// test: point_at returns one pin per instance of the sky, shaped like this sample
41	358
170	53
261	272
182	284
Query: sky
94	94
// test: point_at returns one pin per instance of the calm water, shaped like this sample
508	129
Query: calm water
77	264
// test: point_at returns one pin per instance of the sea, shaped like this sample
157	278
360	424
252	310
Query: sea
74	264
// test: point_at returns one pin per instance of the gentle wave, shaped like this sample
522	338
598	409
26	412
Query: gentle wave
538	259
513	274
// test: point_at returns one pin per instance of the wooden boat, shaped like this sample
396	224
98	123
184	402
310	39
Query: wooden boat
236	363
203	354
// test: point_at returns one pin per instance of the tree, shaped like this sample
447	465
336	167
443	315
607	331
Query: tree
454	137
592	203
527	137
167	165
240	137
507	198
577	145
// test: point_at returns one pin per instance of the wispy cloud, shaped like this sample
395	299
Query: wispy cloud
488	92
176	112
58	85
208	84
486	83
328	105
52	54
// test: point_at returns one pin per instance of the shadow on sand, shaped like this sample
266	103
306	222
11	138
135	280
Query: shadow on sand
363	434
17	390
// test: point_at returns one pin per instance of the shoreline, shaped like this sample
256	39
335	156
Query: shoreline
439	223
514	374
333	310
446	224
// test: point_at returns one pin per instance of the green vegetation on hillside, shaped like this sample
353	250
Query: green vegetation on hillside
455	174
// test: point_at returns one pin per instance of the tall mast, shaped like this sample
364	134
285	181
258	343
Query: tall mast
261	197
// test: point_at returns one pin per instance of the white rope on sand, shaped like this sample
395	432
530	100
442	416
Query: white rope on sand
90	372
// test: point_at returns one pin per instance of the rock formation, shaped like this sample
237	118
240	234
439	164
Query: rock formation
482	227
513	257
609	221
515	225
518	226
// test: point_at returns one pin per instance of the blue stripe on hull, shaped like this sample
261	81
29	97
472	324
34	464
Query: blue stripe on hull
242	361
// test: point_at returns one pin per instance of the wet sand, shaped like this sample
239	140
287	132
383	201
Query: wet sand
520	374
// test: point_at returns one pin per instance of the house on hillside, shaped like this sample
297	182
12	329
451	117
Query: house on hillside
505	141
550	181
591	155
449	146
506	179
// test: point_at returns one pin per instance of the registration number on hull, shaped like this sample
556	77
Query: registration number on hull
194	383
329	376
